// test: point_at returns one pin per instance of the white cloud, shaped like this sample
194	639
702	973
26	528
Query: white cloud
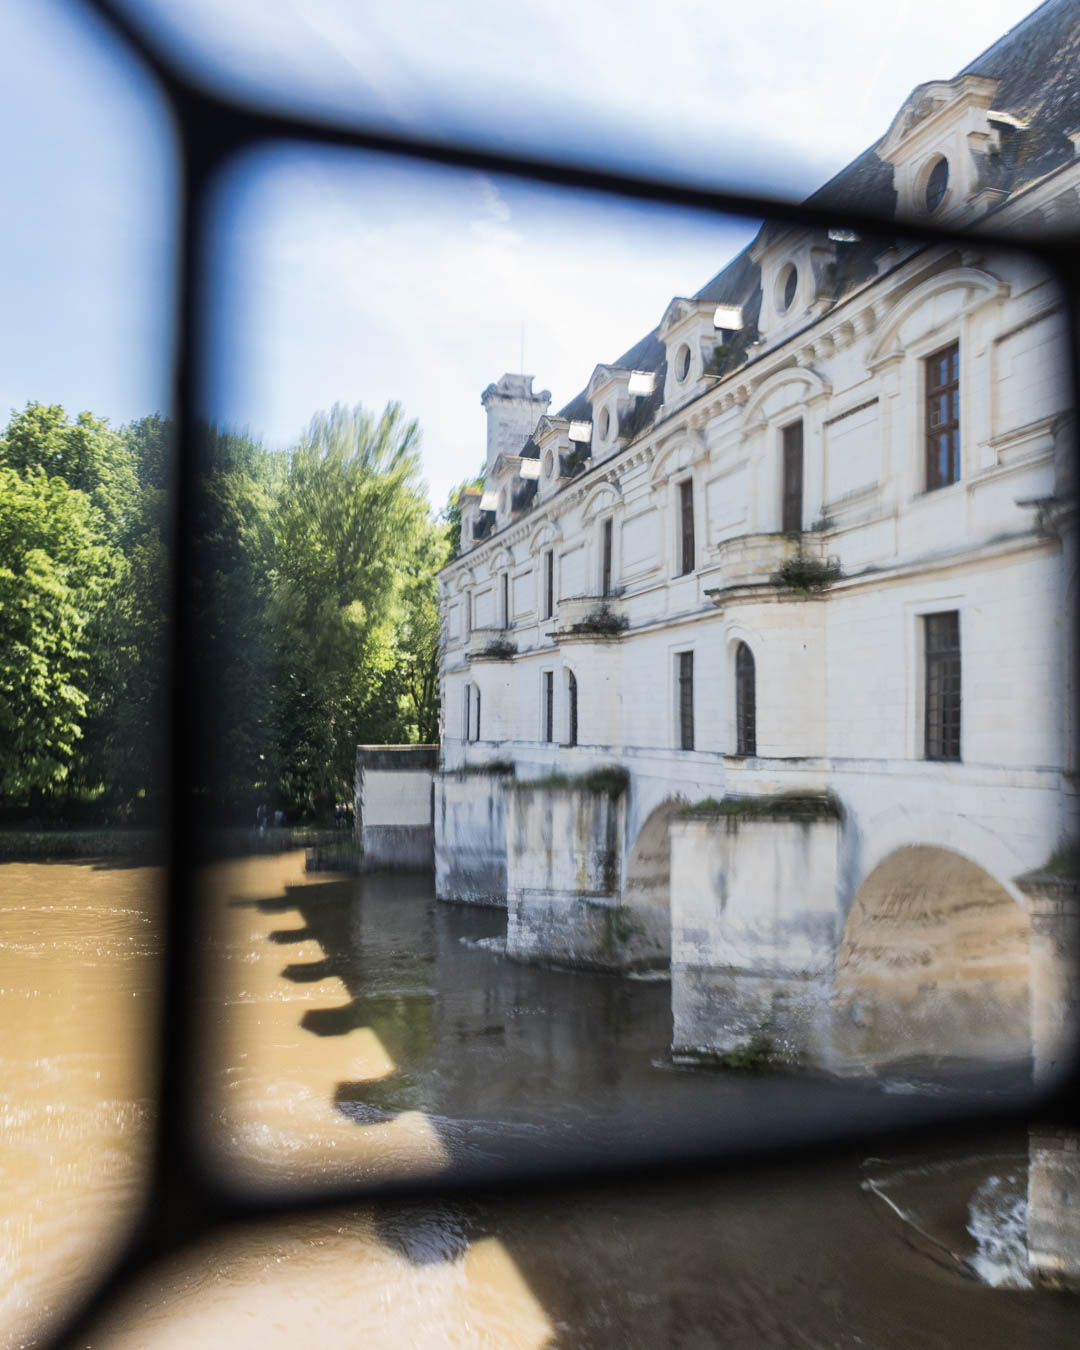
355	279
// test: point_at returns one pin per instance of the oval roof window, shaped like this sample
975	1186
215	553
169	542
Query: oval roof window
936	183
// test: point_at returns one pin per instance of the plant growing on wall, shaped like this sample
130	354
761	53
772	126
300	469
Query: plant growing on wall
807	575
603	621
501	649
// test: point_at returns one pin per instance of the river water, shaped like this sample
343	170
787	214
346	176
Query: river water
356	1028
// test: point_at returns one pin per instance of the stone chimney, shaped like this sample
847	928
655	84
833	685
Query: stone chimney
513	411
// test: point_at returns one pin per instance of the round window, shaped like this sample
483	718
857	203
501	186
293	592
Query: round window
604	424
787	283
502	503
549	461
682	363
937	180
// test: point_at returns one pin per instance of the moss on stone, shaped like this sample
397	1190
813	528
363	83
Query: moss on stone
1065	860
774	806
752	1055
610	782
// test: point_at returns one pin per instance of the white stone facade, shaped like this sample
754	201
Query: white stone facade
836	338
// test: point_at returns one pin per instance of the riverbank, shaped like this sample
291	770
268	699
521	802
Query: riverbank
148	846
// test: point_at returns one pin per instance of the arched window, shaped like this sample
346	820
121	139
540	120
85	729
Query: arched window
571	705
745	702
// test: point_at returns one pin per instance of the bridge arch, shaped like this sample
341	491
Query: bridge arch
932	965
646	889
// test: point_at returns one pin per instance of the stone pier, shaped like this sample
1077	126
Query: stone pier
394	822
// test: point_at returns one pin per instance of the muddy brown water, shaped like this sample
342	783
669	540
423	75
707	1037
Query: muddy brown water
357	1028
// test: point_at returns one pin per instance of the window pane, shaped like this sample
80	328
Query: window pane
341	278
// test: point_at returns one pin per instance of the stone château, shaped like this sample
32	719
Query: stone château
798	573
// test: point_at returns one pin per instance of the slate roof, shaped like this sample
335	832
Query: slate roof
1038	66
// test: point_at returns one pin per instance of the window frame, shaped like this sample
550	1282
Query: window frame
745	717
685	728
607	555
686	531
954	426
937	661
792	502
185	1200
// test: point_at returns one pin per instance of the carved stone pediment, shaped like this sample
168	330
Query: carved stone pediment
679	310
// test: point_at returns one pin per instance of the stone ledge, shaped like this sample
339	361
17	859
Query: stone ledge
384	757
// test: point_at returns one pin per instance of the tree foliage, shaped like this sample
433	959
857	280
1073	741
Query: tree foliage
55	572
314	595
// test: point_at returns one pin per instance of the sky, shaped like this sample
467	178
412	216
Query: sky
339	278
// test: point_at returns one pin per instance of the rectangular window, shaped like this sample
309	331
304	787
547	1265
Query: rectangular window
506	599
571	694
468	613
605	549
943	417
686	516
476	719
549	583
686	700
465	713
942	644
549	705
792	510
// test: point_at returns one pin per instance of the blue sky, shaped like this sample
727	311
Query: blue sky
338	280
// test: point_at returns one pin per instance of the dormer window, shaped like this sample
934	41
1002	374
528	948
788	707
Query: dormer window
682	363
937	182
787	283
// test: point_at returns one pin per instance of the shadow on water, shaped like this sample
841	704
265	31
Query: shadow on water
286	935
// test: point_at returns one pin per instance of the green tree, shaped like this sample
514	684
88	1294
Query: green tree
87	454
419	634
233	570
451	512
350	523
55	571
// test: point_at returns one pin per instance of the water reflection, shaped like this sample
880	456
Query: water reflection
407	1017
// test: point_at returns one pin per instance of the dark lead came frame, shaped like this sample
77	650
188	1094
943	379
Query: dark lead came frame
187	1201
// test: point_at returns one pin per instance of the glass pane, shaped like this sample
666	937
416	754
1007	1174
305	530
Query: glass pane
581	921
693	95
85	467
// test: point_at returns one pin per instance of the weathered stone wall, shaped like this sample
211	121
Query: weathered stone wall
393	805
564	882
1053	1218
1054	907
932	964
753	931
470	838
